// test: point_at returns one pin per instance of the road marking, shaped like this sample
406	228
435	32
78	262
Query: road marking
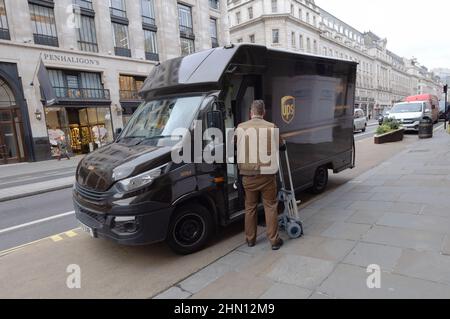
43	220
70	234
56	238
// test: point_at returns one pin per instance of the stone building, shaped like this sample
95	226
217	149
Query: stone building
96	54
301	26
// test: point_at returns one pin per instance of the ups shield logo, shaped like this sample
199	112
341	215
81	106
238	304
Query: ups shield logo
288	109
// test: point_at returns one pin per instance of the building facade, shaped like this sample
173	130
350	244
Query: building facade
97	54
383	77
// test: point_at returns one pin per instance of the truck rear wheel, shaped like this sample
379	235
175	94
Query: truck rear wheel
190	229
320	180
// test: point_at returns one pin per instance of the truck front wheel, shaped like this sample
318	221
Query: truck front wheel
320	180
190	229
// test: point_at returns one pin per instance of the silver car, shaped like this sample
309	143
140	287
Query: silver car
359	121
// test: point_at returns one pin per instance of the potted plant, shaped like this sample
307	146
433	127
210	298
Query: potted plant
390	131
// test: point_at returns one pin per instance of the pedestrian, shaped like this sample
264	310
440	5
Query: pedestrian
258	181
62	148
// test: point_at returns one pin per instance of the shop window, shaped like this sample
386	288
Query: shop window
130	87
4	28
77	85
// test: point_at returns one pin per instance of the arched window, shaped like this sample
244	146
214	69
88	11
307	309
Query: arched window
6	95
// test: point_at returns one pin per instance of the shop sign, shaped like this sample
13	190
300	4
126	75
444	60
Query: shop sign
80	60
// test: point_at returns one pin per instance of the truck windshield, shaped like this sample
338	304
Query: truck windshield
407	108
160	118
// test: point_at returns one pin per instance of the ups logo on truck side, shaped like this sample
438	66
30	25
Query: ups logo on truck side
288	109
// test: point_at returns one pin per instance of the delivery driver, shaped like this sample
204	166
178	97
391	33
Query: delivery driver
259	137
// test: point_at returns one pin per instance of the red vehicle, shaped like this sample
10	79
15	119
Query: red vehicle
431	104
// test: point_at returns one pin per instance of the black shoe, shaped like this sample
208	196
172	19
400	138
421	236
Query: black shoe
278	245
251	244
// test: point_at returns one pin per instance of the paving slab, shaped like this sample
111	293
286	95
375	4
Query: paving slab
305	272
404	238
173	293
367	217
350	231
365	254
319	247
284	291
424	265
416	222
350	282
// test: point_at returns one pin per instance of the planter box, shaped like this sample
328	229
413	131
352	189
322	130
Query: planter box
394	136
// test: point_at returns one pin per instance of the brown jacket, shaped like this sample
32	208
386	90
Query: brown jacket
250	138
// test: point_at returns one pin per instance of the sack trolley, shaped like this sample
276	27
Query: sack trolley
289	220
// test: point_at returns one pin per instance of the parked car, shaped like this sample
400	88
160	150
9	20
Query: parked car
359	121
383	116
431	104
409	114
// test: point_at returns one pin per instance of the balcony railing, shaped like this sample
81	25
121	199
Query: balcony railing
122	52
187	31
85	4
45	40
4	34
151	56
116	12
129	95
148	20
81	94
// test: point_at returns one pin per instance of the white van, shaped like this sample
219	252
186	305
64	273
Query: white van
409	114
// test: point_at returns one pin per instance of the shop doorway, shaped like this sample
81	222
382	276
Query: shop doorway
84	129
11	127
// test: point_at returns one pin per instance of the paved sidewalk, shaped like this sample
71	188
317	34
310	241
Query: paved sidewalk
27	179
396	216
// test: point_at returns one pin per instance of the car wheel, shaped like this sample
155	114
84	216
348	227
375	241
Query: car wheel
320	180
190	229
364	129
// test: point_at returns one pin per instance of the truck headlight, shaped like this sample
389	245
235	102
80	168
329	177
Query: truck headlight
141	180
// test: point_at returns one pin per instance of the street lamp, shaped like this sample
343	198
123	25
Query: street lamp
38	115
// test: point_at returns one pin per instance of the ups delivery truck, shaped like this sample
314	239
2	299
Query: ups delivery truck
133	192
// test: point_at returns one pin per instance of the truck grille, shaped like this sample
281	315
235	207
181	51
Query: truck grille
90	194
101	218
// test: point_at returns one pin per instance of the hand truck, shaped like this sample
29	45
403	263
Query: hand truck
289	220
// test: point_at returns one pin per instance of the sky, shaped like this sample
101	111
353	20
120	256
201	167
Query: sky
413	28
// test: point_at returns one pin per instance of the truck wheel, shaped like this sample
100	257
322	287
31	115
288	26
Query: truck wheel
320	180
190	229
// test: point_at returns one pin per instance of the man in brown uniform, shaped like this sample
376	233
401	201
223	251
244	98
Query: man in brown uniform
259	178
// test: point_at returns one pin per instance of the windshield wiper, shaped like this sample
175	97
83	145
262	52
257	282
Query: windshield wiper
156	137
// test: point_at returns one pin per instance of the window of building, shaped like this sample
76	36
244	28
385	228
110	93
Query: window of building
4	28
213	32
293	39
85	4
117	8
130	87
325	51
238	17
250	12
274	6
315	47
77	85
275	36
187	46
300	14
214	4
186	29
185	18
300	40
151	45
314	21
120	37
307	18
148	12
44	26
251	38
308	44
240	40
87	37
292	9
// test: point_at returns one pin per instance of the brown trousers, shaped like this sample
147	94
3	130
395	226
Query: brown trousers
266	185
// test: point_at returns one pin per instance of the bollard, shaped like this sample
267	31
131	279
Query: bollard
426	128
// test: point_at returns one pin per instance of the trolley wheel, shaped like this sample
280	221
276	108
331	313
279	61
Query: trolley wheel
294	230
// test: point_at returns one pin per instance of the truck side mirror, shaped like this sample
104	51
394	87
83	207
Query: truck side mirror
215	120
117	132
